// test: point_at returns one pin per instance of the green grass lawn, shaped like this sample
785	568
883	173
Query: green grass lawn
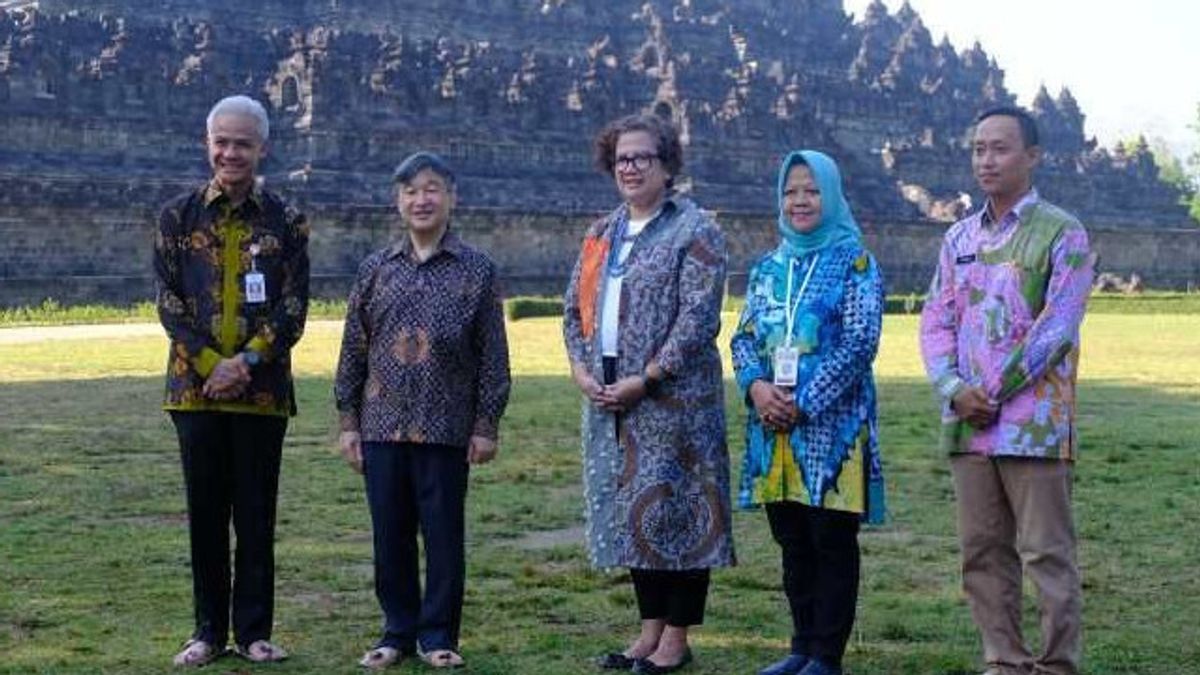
93	547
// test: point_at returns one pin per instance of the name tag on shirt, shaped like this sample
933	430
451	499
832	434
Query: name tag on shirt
256	287
965	259
787	366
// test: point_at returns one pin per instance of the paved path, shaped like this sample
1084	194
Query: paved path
10	336
14	336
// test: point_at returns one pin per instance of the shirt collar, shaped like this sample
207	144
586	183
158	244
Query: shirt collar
214	192
670	204
450	243
1018	211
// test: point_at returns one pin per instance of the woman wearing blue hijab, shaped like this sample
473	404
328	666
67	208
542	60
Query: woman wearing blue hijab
802	354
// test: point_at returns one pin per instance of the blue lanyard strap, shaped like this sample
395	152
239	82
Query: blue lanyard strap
614	266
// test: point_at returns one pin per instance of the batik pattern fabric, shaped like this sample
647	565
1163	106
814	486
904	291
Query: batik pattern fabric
1003	313
831	460
424	355
657	495
203	249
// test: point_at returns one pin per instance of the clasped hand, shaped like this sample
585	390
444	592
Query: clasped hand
972	405
617	397
228	379
774	405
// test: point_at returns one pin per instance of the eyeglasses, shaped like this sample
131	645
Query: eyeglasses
639	162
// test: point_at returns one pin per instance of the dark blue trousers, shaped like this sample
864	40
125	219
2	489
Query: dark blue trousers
411	488
231	470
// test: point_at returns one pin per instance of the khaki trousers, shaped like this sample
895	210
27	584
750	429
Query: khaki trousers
1014	512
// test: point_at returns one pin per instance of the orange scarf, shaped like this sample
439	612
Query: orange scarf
592	261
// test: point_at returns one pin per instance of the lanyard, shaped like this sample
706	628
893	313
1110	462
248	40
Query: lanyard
616	265
790	308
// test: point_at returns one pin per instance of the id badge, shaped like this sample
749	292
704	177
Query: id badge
256	287
787	366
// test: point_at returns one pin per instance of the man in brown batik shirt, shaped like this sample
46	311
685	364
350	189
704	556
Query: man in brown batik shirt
421	385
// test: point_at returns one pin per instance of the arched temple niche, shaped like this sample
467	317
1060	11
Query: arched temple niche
46	81
290	95
290	90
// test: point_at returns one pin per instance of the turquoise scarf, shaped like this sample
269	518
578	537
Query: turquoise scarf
837	225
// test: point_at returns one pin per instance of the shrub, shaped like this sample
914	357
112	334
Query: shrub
903	304
526	307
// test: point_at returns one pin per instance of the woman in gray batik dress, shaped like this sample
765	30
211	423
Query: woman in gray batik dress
641	320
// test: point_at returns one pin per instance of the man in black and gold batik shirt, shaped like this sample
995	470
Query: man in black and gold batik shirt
231	264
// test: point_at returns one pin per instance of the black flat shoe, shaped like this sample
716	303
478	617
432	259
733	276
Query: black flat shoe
616	661
648	667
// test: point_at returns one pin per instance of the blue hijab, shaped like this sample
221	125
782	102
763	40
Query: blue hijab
836	226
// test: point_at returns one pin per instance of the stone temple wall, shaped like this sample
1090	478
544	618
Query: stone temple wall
512	90
102	106
103	254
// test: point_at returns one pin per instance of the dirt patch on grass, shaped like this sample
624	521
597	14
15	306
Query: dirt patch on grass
547	539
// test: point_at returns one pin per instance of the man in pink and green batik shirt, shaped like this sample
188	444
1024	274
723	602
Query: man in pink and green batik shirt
1000	341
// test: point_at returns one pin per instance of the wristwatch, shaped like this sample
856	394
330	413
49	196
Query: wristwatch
251	357
651	385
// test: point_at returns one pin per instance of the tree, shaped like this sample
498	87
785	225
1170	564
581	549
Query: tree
1193	165
1183	175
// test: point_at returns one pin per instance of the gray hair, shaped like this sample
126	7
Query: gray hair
244	106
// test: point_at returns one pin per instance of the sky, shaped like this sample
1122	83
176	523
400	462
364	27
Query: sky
1134	67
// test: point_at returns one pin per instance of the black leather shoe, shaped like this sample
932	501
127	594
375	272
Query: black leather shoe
792	665
616	661
648	667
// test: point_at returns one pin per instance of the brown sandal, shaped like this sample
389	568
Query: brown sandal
261	651
380	658
442	658
196	653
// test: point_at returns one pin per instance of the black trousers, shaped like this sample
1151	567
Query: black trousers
415	487
820	575
231	470
674	596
